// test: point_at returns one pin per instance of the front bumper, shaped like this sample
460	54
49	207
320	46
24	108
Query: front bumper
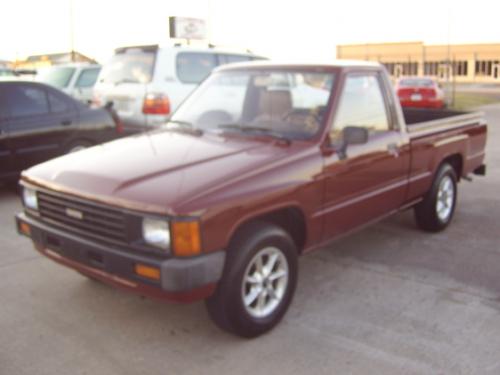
181	279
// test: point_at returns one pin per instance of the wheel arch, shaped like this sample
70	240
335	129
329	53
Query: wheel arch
290	218
457	163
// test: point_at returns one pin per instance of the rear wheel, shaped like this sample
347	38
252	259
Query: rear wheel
258	282
436	211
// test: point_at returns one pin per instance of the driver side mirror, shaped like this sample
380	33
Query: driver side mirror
352	135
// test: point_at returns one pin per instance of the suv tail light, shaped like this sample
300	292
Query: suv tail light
156	104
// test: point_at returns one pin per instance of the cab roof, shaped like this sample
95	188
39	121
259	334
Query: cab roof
263	64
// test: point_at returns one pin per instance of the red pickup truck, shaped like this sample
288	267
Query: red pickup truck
261	164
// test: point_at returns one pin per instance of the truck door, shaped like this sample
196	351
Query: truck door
371	181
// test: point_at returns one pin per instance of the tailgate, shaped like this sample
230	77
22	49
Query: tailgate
124	81
127	100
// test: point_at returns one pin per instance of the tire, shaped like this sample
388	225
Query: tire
436	211
227	308
78	146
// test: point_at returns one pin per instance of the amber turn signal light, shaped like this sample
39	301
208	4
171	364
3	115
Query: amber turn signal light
186	238
25	229
148	272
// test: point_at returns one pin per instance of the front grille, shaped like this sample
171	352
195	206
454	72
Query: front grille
83	216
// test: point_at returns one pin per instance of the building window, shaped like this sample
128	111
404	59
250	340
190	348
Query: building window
431	68
410	68
460	68
485	67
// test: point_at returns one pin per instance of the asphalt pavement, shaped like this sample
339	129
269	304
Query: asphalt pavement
387	300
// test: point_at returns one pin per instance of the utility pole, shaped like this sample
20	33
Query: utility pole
209	20
450	73
72	30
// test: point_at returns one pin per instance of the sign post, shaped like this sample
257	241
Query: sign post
187	28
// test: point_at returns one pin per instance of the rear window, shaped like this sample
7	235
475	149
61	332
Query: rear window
416	83
56	76
194	67
133	65
57	103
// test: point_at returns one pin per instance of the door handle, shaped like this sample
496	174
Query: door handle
393	149
66	122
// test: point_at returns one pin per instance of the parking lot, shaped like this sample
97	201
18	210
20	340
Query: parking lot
387	300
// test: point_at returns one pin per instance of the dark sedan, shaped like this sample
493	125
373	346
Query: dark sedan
38	123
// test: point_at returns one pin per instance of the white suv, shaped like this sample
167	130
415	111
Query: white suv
147	83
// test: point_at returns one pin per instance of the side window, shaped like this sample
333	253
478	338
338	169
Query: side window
27	101
228	59
57	103
193	67
4	108
87	77
361	104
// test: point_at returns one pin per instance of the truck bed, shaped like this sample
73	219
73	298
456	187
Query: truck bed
421	122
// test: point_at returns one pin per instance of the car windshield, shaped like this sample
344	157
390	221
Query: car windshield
134	65
6	73
416	83
287	104
56	76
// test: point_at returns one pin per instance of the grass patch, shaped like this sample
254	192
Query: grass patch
469	100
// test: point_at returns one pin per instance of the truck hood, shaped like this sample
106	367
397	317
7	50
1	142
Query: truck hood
157	171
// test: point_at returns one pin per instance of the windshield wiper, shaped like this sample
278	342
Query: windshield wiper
183	126
255	130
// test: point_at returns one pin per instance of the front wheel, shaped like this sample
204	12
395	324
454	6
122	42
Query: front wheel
435	212
258	282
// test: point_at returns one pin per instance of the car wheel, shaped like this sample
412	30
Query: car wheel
258	281
436	211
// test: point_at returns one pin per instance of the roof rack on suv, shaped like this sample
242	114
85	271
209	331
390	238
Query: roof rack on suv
146	48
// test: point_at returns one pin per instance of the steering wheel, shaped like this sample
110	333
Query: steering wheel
310	119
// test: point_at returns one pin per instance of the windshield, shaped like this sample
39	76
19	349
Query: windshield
56	76
416	83
6	73
290	104
132	66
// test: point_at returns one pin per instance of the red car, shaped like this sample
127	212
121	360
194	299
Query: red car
420	93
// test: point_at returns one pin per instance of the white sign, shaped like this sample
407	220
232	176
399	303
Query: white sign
187	28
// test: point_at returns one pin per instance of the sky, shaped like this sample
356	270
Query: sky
305	30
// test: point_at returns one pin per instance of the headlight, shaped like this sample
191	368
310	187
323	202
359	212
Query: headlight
30	199
156	232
